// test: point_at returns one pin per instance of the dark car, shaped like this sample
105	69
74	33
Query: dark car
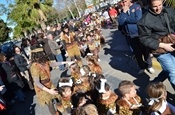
7	48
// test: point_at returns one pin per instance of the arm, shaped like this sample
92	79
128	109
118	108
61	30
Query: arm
146	37
122	18
53	64
35	72
136	17
149	40
38	84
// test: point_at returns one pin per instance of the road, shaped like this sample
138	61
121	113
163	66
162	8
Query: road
117	64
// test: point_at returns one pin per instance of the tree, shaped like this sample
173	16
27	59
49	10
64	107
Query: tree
170	3
4	31
29	13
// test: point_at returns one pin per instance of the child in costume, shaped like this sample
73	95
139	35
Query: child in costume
158	104
75	73
84	86
130	102
64	105
106	102
81	101
93	45
93	65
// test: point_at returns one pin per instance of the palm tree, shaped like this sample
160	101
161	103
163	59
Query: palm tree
170	3
29	13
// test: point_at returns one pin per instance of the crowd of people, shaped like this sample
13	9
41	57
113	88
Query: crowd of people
86	91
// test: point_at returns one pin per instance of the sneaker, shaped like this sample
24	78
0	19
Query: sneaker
151	70
141	72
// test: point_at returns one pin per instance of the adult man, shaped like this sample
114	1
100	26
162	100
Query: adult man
151	27
131	13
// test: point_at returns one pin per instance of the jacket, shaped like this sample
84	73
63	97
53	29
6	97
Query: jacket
20	62
129	20
152	26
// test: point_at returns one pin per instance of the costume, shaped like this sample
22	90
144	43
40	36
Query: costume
104	106
83	87
43	72
71	46
125	106
95	69
165	109
75	77
64	105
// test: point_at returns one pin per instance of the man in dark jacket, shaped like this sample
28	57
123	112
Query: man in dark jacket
128	18
151	27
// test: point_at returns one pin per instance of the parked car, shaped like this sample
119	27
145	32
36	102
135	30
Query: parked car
7	48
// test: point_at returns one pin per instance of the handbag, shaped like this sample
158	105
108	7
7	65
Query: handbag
170	38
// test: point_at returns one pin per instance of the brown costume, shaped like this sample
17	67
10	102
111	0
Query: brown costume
105	105
83	87
125	107
95	69
43	72
64	104
71	46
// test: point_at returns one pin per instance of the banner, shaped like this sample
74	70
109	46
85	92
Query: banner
89	3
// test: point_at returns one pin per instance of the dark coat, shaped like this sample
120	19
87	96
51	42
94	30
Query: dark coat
20	62
152	26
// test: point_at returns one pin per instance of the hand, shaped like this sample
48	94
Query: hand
53	91
167	46
125	8
2	87
66	55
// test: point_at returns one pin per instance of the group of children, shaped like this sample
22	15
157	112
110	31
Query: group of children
87	92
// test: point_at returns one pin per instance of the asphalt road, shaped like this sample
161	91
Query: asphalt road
117	64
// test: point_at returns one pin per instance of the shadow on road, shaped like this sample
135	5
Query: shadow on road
24	108
122	60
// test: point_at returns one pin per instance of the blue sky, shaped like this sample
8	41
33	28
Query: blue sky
4	16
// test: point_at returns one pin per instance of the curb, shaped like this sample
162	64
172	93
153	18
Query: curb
156	64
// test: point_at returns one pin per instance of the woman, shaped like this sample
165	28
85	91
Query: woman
40	71
22	63
13	77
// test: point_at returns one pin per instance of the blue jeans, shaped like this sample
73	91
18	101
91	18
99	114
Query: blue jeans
167	61
60	59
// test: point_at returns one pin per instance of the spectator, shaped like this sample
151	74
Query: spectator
151	28
22	63
55	50
128	18
113	15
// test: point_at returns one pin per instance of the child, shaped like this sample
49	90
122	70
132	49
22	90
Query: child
130	102
107	101
158	104
84	86
81	103
75	73
64	105
93	65
93	45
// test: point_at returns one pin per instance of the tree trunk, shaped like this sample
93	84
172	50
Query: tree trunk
78	10
69	9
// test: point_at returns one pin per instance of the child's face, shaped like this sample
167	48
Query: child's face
106	95
133	92
67	92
